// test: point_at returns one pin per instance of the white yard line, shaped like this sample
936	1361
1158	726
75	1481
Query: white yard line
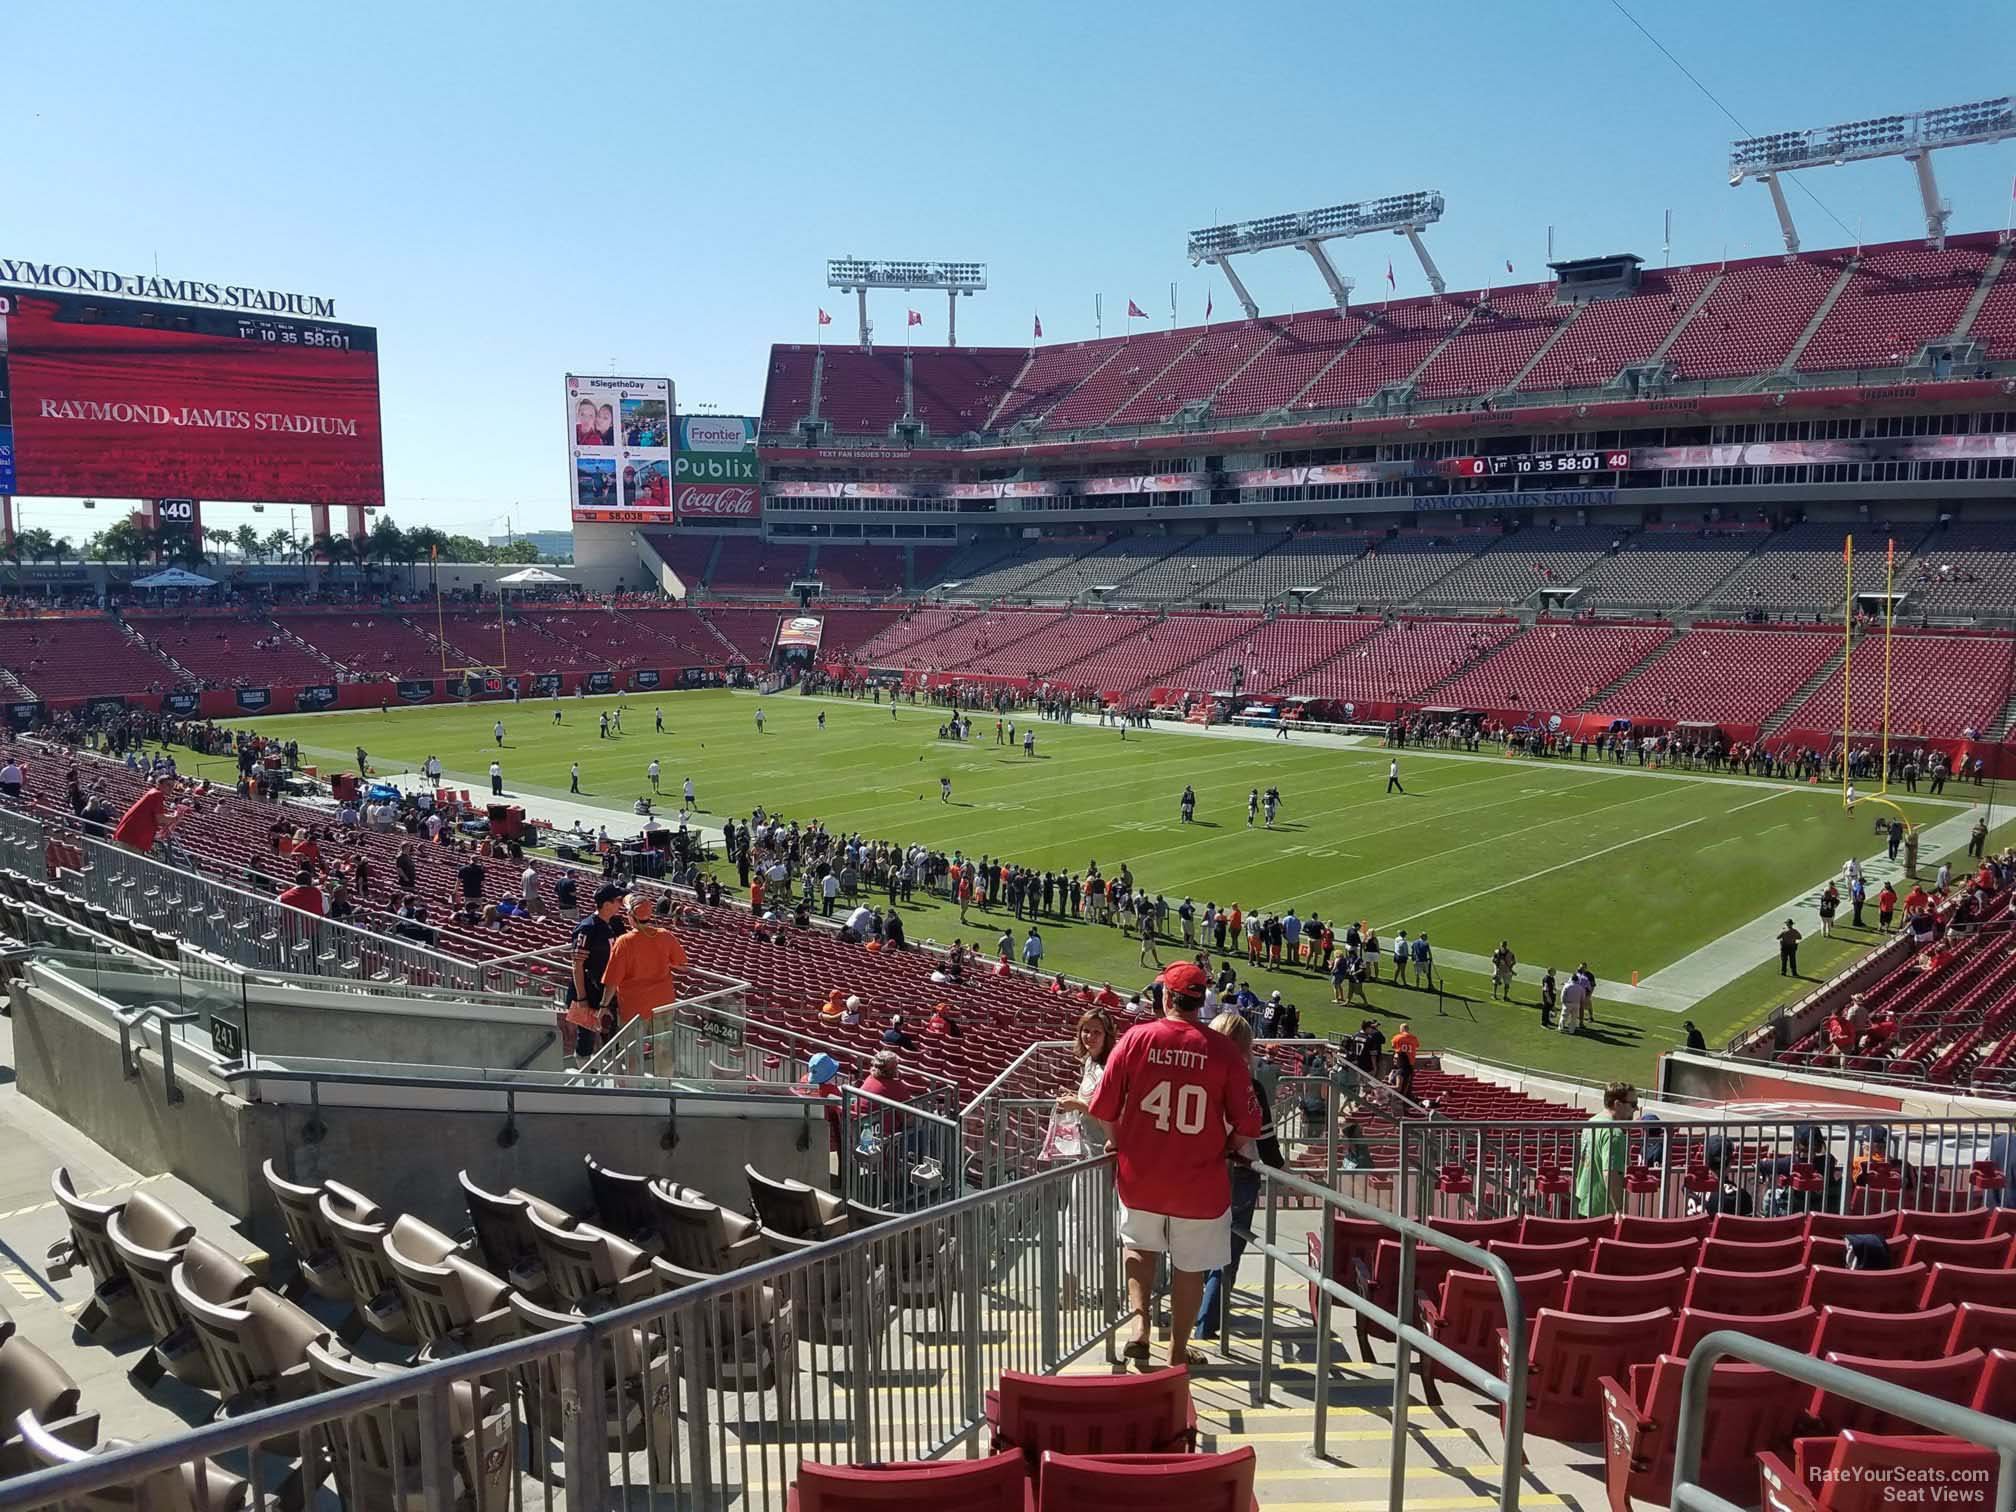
1721	961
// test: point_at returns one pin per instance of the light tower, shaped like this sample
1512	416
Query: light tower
1911	137
1306	231
860	274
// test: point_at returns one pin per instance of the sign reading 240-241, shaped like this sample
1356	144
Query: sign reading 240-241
6	460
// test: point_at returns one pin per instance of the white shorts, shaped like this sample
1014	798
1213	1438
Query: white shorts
1192	1244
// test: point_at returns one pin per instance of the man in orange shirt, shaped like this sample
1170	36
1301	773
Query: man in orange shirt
1406	1042
638	978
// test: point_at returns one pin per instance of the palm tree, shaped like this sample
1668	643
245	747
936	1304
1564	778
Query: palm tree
251	546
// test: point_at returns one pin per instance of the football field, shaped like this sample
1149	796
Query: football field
1635	871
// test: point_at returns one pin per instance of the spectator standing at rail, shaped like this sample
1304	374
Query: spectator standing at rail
1216	1304
639	975
1170	1091
1602	1150
150	817
592	940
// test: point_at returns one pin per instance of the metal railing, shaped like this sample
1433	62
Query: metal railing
261	932
1793	1163
1509	1392
877	1345
1929	1412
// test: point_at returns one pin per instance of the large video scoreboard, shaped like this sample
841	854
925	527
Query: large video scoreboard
136	399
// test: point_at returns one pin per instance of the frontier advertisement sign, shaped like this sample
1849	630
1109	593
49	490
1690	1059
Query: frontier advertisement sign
714	475
620	434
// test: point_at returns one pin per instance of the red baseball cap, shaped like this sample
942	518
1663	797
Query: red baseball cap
1186	979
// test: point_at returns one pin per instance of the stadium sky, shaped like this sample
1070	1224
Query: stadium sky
512	191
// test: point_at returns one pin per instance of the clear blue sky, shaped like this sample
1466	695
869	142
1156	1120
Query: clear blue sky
512	191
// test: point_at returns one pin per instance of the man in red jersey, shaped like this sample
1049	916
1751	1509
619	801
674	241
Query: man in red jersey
1177	1097
148	817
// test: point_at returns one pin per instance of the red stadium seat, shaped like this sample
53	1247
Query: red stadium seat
1892	1336
1970	1223
1841	1225
1861	1472
1469	1315
1619	1257
1757	1230
1996	1395
1570	1355
1634	1229
1748	1293
1737	1255
1871	1291
1352	1241
1479	1231
1750	1410
1951	1378
1968	1283
1532	1259
1381	1285
1979	1326
999	1483
1793	1330
1149	1482
1138	1414
1562	1230
1597	1296
1990	1253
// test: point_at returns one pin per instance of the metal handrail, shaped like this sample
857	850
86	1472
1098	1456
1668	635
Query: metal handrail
1887	1396
1509	1392
167	1020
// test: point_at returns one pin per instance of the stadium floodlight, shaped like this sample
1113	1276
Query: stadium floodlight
1307	230
857	275
1911	137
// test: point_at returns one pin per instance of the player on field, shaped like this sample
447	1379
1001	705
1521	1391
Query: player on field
658	718
1252	807
498	731
651	771
689	794
556	715
759	719
822	719
602	732
1188	803
1028	740
944	789
1393	777
1170	1091
1272	801
574	778
616	721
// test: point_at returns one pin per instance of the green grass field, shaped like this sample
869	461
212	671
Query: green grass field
1630	870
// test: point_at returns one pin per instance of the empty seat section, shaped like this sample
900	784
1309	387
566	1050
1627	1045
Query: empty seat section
1690	680
1401	661
1900	298
1133	372
232	652
1271	655
1940	685
1514	569
860	569
1553	668
1304	346
1400	569
1403	336
1305	561
1802	568
1609	335
1052	375
752	567
787	393
1753	316
1496	343
861	393
1665	569
1220	352
954	392
369	642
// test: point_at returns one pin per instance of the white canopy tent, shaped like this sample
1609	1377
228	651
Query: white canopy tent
174	577
531	577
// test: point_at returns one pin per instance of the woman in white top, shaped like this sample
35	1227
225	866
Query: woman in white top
1069	1138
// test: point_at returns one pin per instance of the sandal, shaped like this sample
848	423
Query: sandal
1137	1349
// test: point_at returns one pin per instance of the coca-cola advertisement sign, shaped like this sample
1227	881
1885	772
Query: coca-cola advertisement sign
740	501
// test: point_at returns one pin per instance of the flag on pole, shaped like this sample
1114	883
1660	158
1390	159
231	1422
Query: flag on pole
1135	312
824	318
1039	325
915	319
1207	304
1389	274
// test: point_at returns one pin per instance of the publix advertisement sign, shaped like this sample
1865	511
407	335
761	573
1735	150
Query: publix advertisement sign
714	469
